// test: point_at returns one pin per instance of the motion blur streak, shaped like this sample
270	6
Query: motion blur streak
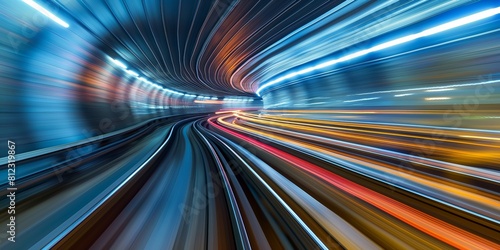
226	124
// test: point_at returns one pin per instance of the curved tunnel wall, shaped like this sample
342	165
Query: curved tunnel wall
59	86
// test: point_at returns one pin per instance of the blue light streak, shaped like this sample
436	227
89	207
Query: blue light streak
47	13
431	31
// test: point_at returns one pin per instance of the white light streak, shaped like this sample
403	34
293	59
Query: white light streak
438	90
437	29
47	13
429	88
133	73
117	62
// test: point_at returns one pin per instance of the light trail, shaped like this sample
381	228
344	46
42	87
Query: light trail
431	31
448	233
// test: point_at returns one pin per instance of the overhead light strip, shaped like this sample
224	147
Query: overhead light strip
141	78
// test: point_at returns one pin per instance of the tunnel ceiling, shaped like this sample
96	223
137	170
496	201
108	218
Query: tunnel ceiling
207	47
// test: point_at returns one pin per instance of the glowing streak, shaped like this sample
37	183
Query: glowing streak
401	95
436	98
439	229
431	88
209	101
122	65
438	90
440	28
362	99
481	137
47	13
237	100
135	74
130	72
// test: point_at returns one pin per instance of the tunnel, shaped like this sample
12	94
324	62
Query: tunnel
245	124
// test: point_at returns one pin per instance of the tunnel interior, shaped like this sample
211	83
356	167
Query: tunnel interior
267	124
